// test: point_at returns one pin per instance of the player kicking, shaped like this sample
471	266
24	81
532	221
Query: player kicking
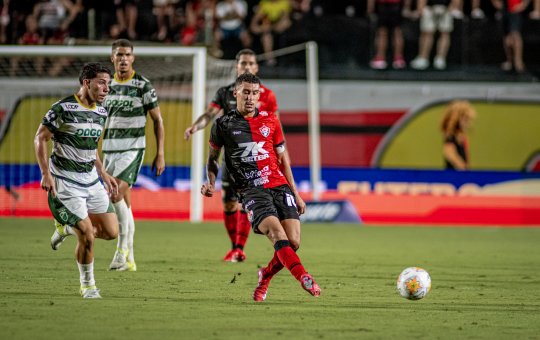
236	221
254	154
71	175
130	99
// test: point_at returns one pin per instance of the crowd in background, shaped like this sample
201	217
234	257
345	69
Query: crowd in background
242	23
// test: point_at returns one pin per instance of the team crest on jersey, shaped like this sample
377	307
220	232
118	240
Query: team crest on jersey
263	113
265	130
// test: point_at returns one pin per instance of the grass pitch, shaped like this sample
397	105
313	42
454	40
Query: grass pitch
486	284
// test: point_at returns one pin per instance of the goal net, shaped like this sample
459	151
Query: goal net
32	78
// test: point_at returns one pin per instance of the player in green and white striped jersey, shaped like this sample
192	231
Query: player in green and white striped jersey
131	98
77	199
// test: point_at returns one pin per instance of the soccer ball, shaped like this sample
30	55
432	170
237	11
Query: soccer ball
414	283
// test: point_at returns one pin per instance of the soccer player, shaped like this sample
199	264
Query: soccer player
131	97
71	175
254	154
236	221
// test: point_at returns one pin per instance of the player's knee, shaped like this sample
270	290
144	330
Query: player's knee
295	244
229	206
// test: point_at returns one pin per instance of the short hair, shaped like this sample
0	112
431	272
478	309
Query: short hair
245	51
91	70
122	43
247	78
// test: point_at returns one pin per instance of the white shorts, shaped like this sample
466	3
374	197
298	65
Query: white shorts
124	165
436	18
74	202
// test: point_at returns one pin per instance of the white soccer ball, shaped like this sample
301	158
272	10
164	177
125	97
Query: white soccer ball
414	283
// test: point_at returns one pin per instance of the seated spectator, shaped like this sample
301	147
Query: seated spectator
30	37
230	15
4	20
126	17
199	15
165	17
271	17
389	19
434	16
512	21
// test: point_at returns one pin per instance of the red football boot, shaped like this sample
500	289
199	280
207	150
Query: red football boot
259	294
238	256
230	254
310	285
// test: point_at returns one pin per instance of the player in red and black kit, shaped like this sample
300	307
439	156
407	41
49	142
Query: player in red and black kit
236	221
255	156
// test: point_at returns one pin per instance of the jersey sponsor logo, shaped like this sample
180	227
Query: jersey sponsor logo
236	132
265	131
258	153
72	106
51	116
258	173
125	104
261	181
88	132
101	110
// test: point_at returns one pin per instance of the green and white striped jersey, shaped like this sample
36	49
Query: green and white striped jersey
128	103
76	131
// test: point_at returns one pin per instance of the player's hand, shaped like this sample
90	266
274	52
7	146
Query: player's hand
189	131
207	190
47	184
110	184
158	164
300	204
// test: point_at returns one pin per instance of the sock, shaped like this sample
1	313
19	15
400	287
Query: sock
86	272
122	212
273	267
288	257
242	230
231	221
131	234
68	230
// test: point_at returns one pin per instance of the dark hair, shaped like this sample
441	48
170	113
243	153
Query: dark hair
247	78
122	43
245	51
91	70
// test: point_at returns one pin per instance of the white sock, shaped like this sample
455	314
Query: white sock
68	230
122	212
131	234
86	272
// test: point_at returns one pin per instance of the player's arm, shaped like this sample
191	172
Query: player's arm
110	183
450	153
43	136
212	168
159	131
497	4
285	167
203	120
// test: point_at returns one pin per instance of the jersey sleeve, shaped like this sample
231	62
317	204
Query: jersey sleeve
149	97
219	98
278	138
53	118
216	138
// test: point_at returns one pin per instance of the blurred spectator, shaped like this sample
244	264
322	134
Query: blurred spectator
199	16
388	17
105	19
4	20
535	13
457	120
165	17
30	37
434	16
512	21
271	17
476	10
230	15
126	17
300	8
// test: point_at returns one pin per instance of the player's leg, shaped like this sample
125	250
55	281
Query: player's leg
84	253
119	261
230	211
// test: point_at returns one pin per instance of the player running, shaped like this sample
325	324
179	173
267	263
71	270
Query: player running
254	154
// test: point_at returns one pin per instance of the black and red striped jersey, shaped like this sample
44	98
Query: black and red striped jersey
224	99
249	144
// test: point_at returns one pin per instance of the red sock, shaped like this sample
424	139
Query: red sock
273	267
288	257
231	220
242	230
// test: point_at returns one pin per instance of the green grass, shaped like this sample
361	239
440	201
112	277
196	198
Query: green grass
486	284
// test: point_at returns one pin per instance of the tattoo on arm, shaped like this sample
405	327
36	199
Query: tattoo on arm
212	166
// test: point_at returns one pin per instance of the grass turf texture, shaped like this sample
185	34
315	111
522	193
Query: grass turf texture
486	284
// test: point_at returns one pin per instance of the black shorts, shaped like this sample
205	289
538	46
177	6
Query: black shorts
260	203
389	15
228	193
512	22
